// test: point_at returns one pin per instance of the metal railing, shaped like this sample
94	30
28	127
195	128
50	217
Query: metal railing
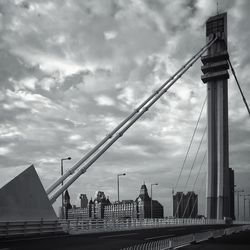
76	226
27	228
182	241
79	226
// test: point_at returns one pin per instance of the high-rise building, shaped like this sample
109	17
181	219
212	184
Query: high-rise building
178	204
185	205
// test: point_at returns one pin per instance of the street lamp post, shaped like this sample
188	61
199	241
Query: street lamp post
249	209
63	159
118	175
238	202
154	184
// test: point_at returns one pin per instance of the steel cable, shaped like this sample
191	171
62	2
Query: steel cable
139	113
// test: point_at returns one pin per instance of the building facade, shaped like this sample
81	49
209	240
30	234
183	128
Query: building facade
78	213
126	209
144	205
102	208
97	206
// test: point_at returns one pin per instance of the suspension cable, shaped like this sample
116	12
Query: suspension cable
116	129
195	158
191	169
190	144
130	122
241	92
198	174
196	200
192	190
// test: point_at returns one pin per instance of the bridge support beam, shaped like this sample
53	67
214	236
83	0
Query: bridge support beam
215	76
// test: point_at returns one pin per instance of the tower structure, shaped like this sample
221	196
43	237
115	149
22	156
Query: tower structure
144	205
67	204
215	76
84	200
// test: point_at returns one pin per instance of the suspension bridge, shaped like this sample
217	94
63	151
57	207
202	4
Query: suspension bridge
33	214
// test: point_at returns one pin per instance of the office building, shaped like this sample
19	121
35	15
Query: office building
78	213
185	205
144	205
126	209
102	208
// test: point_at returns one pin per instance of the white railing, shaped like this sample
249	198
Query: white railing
180	241
77	226
27	228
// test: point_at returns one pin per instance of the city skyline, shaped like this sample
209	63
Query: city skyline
101	207
66	84
92	197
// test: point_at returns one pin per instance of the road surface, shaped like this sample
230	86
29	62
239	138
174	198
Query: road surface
239	241
104	241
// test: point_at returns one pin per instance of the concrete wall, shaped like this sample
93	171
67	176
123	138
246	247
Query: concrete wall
24	198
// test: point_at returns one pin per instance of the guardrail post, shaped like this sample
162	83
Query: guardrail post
41	225
24	227
55	226
170	245
158	245
7	228
68	224
193	239
105	227
77	224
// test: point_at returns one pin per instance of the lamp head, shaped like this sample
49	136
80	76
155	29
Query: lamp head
121	174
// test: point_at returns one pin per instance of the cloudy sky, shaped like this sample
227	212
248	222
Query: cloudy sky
71	70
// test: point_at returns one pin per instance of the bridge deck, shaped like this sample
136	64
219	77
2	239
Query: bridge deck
109	241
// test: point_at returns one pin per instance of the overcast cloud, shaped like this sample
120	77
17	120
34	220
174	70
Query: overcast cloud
70	71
